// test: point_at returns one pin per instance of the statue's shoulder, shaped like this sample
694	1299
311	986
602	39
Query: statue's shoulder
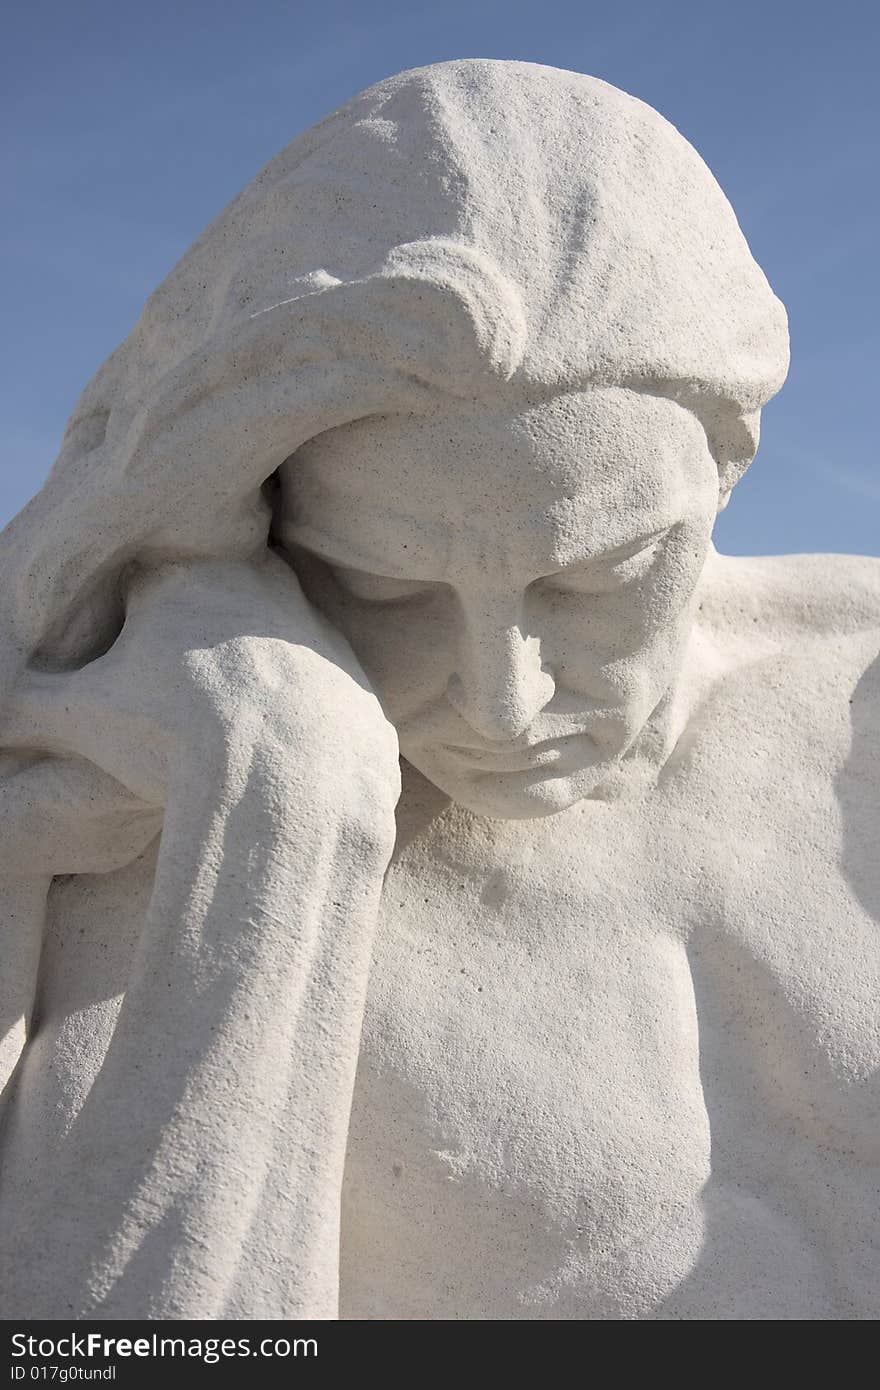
796	644
793	598
801	636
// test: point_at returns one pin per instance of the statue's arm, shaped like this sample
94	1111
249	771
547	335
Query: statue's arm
58	815
212	1143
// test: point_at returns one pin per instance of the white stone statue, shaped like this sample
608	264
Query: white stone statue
423	441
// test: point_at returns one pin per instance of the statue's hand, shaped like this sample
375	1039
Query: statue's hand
214	658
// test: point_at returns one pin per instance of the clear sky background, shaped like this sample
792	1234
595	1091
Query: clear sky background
129	125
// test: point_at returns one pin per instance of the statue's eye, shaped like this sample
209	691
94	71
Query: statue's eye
378	588
624	566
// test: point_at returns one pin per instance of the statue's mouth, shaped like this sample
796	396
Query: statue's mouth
520	757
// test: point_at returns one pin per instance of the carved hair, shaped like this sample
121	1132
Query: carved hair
575	238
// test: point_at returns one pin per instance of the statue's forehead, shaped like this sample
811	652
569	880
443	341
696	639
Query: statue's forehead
521	491
599	440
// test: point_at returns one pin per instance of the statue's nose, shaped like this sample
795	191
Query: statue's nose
500	683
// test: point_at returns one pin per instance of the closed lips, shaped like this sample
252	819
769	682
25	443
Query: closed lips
515	758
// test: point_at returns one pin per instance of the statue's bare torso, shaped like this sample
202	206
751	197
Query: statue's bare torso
609	1063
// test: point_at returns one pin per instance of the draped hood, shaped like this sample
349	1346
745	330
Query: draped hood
474	227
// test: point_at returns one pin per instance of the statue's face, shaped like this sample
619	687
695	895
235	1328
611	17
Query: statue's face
517	585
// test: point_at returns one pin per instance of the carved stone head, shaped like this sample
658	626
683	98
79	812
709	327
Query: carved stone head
496	330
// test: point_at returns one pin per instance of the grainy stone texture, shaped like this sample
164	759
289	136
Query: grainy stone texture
422	442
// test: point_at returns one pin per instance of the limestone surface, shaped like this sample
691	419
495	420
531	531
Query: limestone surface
436	883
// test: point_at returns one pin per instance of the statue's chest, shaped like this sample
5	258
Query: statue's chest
584	1033
528	1099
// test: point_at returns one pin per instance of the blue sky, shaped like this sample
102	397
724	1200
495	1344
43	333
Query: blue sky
129	125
